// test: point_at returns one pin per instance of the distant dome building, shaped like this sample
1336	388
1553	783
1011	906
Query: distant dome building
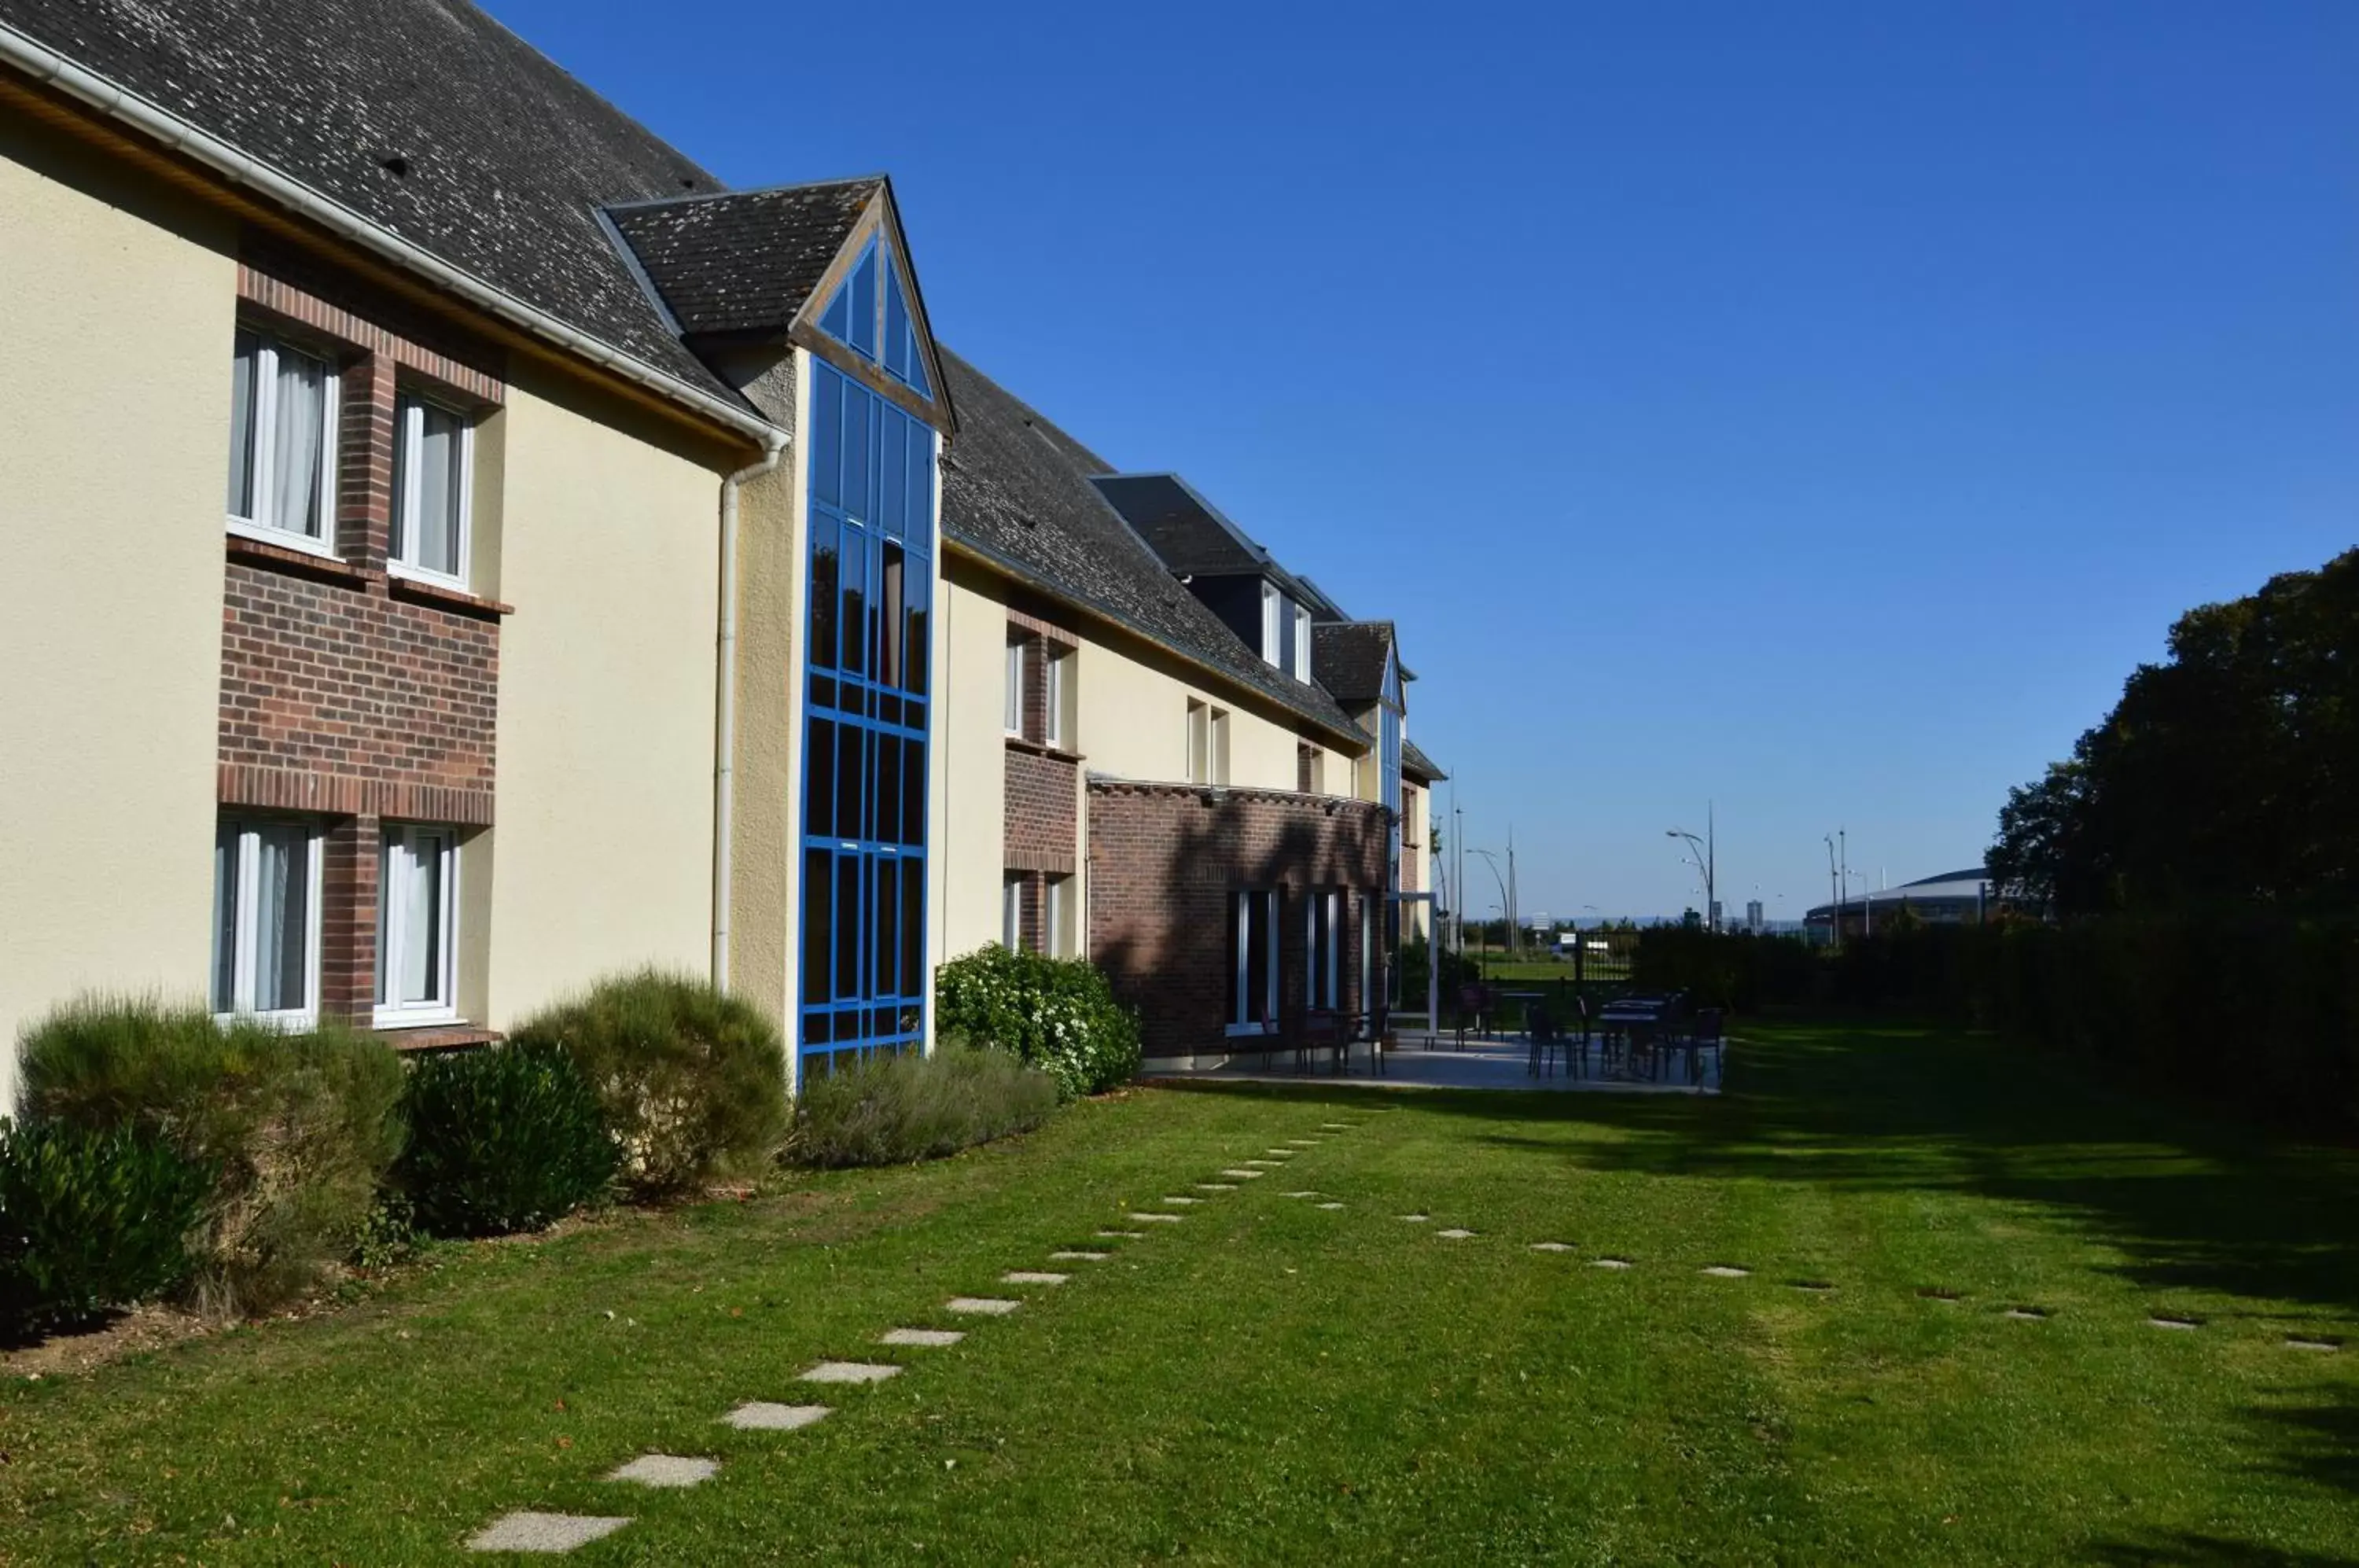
1951	899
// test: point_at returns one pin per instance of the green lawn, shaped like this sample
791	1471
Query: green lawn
1270	1382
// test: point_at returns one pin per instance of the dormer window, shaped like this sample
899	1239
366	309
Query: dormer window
1285	633
870	316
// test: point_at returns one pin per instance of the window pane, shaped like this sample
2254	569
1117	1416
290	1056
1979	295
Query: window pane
913	927
897	325
295	439
825	584
886	796
917	609
859	412
432	534
819	780
888	605
855	601
827	435
850	743
388	869
421	921
819	882
863	305
282	917
847	923
913	793
886	907
893	472
921	487
224	988
1259	910
243	368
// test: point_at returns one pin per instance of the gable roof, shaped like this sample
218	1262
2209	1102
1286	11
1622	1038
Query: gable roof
1416	765
1016	492
742	260
1188	533
1348	658
424	119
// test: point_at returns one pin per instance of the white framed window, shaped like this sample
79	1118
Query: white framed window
1055	911
433	473
417	922
1200	741
1054	665
282	444
1272	607
266	960
1252	962
1323	928
1011	910
1219	726
1302	643
1011	715
1315	775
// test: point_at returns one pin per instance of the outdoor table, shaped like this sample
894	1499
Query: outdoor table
1528	998
1635	1018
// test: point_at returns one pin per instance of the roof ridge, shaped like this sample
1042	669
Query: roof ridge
726	192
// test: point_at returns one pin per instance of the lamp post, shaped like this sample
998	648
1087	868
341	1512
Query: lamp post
1705	854
1493	862
1834	894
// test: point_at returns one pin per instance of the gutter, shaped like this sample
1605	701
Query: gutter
46	65
724	709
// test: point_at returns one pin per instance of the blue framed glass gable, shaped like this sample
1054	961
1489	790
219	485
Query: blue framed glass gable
867	637
870	315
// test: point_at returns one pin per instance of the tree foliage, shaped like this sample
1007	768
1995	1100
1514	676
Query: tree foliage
2227	774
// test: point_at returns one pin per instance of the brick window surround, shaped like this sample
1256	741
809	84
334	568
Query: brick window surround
348	694
1163	859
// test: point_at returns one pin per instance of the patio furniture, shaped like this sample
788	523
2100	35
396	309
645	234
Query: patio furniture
1634	1028
1475	1002
1579	1038
1705	1034
1379	1024
1323	1030
1546	1040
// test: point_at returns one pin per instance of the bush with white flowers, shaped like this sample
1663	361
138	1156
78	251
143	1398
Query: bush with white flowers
1058	1014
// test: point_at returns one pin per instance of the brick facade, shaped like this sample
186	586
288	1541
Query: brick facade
348	692
1163	859
1043	808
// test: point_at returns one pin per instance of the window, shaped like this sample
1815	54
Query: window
282	443
1011	910
1273	607
1199	743
863	313
1252	962
1314	770
1054	663
1302	644
433	472
417	896
1012	714
1220	754
1324	929
267	920
1056	941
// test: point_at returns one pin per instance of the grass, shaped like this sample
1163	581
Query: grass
1269	1382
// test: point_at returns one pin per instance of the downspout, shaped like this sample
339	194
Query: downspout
725	710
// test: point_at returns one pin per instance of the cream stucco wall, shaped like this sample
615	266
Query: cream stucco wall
1133	710
116	314
610	554
970	759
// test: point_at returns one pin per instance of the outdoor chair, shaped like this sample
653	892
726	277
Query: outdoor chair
1322	1031
1473	1002
1547	1041
1579	1038
1380	1023
1705	1034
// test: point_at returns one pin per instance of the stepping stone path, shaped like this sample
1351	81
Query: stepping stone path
1157	1219
2297	1342
1264	1164
1726	1271
2174	1322
1417	1219
544	1532
756	1416
1078	1256
1305	1193
1454	1233
1183	1200
1336	1127
932	1338
2027	1315
1216	1186
1330	1205
851	1372
1816	1287
1122	1235
1551	1246
1302	1142
666	1470
982	1306
1032	1277
1609	1263
1280	1153
1246	1175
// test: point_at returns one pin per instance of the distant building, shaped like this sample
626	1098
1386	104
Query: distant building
1753	921
1951	899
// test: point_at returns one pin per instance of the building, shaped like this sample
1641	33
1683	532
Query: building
1951	899
536	559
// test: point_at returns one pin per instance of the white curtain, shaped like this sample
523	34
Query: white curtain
282	917
437	522
421	921
224	918
241	426
296	441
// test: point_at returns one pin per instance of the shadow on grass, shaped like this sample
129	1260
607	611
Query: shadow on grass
2190	1204
2182	1550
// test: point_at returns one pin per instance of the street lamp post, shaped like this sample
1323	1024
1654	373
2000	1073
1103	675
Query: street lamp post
1706	854
1493	862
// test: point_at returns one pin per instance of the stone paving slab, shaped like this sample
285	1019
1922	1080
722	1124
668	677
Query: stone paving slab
1032	1277
1280	1153
1306	1192
1610	1263
2182	1323
1417	1219
1182	1200
1076	1255
1146	1218
758	1416
1263	1164
1327	1205
2027	1315
666	1470
1216	1186
1726	1271
1243	1175
1303	1142
932	1338
983	1306
1123	1235
851	1372
2300	1342
1336	1127
1455	1232
1551	1246
543	1533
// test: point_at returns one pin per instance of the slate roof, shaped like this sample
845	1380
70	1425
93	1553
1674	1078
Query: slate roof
1016	490
743	260
425	117
1416	765
1186	532
1348	658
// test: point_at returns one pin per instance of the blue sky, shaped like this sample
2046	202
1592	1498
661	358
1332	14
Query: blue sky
1813	409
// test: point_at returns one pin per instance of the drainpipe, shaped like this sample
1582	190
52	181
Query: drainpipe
725	710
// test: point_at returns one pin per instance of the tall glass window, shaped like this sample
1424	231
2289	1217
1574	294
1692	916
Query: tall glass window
867	654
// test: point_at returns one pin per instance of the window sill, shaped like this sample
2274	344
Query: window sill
437	1036
268	552
1240	1031
279	539
1041	748
426	591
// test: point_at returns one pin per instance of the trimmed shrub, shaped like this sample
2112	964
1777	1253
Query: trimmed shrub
692	1082
500	1139
297	1128
91	1220
893	1110
1056	1014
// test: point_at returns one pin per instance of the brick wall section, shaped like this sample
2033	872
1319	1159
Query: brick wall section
348	918
1163	859
1412	836
1043	808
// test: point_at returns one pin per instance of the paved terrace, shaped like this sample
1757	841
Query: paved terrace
1426	1061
